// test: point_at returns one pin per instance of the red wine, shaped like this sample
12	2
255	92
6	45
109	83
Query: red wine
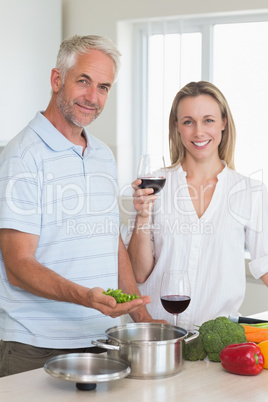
175	304
156	183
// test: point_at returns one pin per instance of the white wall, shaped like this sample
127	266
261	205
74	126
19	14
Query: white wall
30	34
256	297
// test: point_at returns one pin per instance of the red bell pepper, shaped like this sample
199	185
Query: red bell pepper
242	358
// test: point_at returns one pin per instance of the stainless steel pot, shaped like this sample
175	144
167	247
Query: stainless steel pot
152	350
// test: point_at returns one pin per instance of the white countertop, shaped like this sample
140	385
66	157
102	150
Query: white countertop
199	381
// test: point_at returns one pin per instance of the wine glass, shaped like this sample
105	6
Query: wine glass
175	292
152	173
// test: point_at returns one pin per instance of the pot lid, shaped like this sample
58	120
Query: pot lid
86	368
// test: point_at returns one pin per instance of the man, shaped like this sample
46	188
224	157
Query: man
59	220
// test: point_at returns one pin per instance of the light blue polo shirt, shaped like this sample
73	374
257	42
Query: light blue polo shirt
48	188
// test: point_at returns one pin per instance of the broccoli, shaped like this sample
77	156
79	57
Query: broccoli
218	333
194	350
214	336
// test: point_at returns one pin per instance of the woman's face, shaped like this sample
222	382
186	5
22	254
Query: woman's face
200	125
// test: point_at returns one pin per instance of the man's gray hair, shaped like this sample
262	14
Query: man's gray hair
70	48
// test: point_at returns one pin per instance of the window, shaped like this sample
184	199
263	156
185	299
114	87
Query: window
231	52
168	69
243	77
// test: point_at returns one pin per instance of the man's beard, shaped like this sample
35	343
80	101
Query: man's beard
67	109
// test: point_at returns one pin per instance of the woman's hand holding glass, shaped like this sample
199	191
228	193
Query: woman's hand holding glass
143	200
151	180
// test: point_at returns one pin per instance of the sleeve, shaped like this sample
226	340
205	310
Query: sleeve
256	233
20	206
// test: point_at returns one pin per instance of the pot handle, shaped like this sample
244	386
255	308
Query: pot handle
194	335
102	343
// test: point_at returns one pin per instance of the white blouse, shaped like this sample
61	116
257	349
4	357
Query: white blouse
211	248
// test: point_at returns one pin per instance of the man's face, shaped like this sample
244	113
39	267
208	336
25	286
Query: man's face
85	90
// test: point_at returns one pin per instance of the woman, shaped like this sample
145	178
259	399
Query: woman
205	214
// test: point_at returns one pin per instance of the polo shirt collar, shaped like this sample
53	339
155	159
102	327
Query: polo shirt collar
54	138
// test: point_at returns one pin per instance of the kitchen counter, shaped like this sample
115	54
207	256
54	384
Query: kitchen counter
200	381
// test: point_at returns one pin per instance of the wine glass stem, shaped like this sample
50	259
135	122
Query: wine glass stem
150	215
175	318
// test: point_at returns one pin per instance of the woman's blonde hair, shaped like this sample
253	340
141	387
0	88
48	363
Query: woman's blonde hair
227	145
